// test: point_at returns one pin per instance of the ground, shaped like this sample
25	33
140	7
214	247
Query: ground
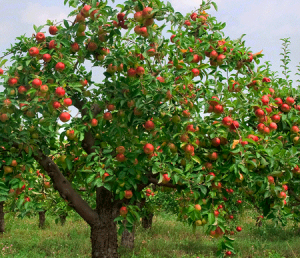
167	239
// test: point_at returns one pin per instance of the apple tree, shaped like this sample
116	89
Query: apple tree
144	123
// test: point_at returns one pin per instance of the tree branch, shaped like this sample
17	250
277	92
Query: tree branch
63	186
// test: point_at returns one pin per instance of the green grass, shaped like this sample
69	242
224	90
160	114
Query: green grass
167	239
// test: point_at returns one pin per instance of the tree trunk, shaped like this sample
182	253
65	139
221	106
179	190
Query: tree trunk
2	225
147	221
42	219
104	236
63	219
128	238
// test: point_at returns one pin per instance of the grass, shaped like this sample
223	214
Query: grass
167	239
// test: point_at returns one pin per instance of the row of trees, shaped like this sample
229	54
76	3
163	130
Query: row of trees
144	124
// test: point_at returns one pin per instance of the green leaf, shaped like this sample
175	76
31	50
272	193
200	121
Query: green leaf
203	189
69	163
215	5
90	178
211	218
197	159
66	24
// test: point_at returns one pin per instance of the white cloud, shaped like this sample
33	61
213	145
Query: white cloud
37	14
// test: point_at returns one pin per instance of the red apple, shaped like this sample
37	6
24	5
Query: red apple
60	92
34	51
67	102
107	116
60	66
227	121
166	178
36	83
123	211
148	148
120	157
56	105
47	58
128	194
64	117
53	30
40	37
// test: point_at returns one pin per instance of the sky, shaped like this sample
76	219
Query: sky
264	22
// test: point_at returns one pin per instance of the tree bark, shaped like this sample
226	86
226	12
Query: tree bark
128	238
63	219
147	221
2	224
104	236
42	219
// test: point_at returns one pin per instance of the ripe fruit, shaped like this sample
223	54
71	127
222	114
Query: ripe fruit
140	70
94	122
64	117
290	101
227	121
53	30
34	51
44	88
52	44
148	148
278	101
195	72
147	12
282	195
189	149
220	59
47	184
104	176
197	207
285	108
161	79
120	157
265	100
213	156
215	142
60	66
120	149
123	211
235	124
271	179
259	112
56	105
60	92
218	109
47	58
273	126
67	102
128	194
275	118
149	125
40	37
166	178
295	129
75	47
131	72
85	10
107	116
36	83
